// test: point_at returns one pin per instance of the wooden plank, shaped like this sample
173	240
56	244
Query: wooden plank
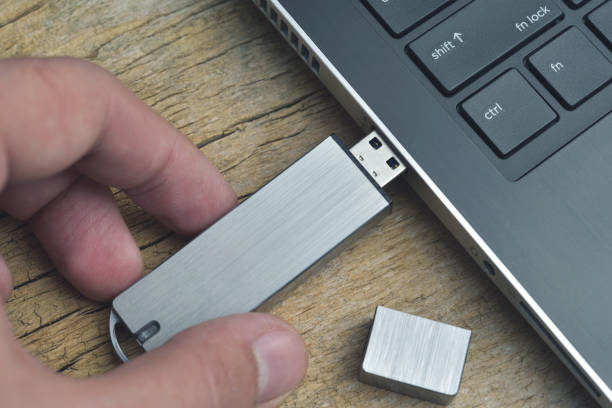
220	73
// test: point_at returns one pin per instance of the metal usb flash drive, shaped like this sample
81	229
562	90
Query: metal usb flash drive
263	244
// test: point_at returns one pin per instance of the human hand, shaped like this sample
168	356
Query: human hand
68	129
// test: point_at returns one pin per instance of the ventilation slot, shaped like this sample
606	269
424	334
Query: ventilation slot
273	16
284	29
294	40
291	36
315	65
305	53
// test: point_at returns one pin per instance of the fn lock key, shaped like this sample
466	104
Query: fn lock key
478	35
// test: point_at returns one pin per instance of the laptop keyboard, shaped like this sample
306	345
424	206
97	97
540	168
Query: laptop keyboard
549	58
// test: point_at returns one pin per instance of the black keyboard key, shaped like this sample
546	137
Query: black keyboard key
600	21
572	67
575	3
508	112
478	35
400	16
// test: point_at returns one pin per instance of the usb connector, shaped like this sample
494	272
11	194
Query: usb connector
377	159
289	225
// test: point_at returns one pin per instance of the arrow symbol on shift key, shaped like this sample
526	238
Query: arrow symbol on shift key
458	37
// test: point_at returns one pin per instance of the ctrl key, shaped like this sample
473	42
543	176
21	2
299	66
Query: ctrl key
508	112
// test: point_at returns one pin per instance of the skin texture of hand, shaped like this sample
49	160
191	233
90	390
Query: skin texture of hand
69	129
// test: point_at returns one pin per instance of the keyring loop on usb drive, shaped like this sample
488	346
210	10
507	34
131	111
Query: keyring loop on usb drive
113	322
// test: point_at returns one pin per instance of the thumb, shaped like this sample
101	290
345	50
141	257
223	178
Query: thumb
239	361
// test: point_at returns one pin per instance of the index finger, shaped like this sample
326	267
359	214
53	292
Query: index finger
65	112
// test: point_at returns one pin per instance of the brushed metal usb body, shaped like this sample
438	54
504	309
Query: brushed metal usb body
256	249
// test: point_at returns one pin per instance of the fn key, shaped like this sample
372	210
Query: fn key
508	112
572	67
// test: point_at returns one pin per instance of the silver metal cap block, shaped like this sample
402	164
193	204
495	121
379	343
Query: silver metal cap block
415	356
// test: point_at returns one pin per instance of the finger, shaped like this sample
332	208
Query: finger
64	111
23	200
6	281
274	403
85	236
238	361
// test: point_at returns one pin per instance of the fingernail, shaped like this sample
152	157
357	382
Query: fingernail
281	361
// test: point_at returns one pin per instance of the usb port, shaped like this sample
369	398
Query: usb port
377	158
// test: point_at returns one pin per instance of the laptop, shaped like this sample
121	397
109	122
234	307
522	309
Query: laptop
502	111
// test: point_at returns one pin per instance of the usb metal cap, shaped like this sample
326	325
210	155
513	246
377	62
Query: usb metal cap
287	226
415	356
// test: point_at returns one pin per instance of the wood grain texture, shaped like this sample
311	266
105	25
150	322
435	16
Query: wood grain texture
219	72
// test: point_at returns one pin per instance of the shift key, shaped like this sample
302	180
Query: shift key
478	35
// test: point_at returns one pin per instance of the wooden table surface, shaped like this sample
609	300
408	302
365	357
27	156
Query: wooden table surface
220	73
